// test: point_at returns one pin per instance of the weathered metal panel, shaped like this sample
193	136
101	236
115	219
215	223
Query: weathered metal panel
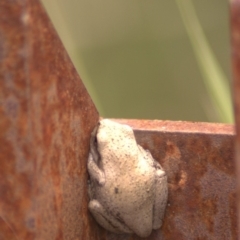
199	161
235	39
46	117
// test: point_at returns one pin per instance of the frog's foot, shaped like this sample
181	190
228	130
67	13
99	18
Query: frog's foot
107	220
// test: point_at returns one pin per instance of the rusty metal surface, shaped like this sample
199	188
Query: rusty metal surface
46	117
235	39
198	160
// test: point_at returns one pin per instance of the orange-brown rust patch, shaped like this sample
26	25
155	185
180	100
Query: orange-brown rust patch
208	211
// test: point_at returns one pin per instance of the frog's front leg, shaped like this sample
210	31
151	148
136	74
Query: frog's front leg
93	160
160	198
105	219
94	171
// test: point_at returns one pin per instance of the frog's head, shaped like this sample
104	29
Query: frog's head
115	140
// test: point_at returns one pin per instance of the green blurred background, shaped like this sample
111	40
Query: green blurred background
146	59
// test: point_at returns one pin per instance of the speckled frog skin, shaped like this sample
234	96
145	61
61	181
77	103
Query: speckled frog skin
127	187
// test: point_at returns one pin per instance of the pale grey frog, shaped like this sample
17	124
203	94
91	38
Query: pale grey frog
127	188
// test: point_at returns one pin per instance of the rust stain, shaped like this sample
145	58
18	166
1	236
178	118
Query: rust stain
46	117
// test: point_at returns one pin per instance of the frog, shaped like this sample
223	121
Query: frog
127	187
